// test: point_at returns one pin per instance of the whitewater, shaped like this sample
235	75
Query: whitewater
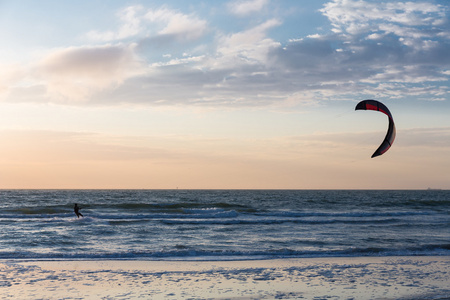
222	225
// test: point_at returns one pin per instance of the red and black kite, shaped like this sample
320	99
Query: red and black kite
390	135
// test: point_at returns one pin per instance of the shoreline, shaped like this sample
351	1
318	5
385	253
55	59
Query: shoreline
390	277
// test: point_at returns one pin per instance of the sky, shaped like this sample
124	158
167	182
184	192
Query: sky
237	94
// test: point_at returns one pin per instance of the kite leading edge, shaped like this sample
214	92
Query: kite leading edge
390	135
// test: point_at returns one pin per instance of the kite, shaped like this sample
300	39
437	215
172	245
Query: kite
390	135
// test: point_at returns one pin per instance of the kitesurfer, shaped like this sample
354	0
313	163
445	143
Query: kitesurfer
76	209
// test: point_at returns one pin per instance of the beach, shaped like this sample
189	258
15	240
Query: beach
413	277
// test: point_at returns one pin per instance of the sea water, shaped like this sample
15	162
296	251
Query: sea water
222	224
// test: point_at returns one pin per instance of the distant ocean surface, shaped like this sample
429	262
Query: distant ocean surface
222	224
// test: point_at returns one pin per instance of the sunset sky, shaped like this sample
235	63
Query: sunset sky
223	94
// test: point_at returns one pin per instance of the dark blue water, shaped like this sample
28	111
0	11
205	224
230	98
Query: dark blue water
222	224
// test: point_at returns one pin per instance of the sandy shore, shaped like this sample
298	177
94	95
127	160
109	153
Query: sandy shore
306	278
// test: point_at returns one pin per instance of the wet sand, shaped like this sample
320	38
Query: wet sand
426	277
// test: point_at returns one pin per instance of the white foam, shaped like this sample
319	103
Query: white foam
358	278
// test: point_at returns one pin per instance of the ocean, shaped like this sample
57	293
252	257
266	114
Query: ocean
222	224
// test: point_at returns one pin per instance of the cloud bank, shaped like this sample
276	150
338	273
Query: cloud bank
164	56
79	72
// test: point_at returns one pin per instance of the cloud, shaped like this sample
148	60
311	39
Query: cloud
248	47
365	53
77	72
213	79
350	16
10	76
176	24
243	8
80	159
381	49
373	43
437	138
131	26
153	24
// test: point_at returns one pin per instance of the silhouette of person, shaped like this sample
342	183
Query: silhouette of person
76	209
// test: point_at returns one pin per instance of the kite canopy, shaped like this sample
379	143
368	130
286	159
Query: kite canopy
390	135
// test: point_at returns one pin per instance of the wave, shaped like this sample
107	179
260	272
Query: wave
220	216
185	253
202	220
354	214
275	221
183	210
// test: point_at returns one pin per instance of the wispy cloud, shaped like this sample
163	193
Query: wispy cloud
138	22
176	24
89	160
243	8
131	25
250	47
